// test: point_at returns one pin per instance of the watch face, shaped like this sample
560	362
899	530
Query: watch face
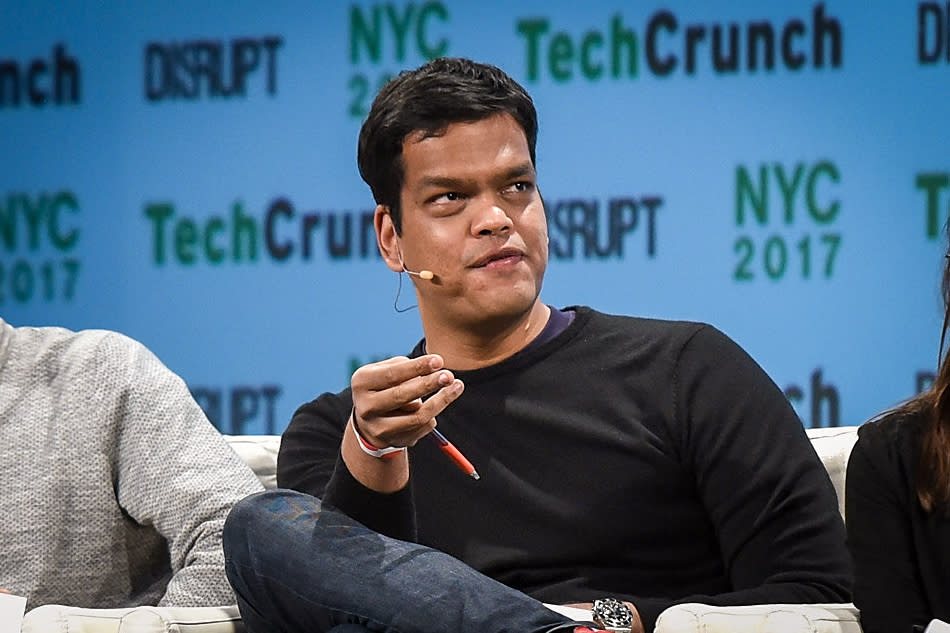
612	615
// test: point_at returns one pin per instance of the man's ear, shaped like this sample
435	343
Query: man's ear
386	238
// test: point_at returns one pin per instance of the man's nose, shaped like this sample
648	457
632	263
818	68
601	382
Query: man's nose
492	218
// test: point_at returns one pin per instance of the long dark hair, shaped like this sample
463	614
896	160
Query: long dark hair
933	406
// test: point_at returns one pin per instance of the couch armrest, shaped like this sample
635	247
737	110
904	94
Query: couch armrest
764	618
260	453
53	618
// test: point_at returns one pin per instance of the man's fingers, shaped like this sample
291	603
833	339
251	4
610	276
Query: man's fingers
394	371
413	389
408	425
395	401
390	385
422	412
444	397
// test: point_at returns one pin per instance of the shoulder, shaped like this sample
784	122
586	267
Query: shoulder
881	472
886	454
682	348
57	351
892	436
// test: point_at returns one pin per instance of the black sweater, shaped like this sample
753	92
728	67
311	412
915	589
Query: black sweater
901	552
654	461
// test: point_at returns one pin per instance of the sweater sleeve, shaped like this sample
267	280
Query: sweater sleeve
309	461
887	587
767	494
175	472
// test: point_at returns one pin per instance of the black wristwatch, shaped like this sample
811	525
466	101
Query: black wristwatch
612	615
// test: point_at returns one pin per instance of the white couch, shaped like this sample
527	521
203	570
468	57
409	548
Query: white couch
260	452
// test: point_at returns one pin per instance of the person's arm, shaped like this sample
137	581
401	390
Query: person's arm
309	461
175	472
887	586
768	497
320	451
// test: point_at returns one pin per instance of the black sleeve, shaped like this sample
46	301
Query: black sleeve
309	461
767	494
887	587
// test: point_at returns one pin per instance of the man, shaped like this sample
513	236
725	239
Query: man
625	464
116	486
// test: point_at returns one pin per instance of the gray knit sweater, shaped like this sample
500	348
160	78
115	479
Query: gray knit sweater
115	485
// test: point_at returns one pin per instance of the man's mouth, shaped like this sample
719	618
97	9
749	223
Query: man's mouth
504	255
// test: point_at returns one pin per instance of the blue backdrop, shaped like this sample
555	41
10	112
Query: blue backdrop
185	173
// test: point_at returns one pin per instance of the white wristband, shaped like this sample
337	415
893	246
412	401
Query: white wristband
369	449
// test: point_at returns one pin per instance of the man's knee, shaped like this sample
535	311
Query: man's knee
261	515
239	521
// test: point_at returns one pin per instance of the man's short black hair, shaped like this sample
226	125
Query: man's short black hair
428	100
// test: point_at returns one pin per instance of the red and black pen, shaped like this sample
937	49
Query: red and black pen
454	454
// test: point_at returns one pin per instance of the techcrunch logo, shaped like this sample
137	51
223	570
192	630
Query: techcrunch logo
579	228
40	82
669	46
238	237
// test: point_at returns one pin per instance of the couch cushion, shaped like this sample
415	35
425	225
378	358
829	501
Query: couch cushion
833	446
54	618
260	453
767	618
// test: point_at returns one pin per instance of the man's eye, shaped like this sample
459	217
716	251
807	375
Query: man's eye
521	187
448	196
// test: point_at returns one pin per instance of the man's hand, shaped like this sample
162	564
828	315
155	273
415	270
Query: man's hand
388	410
387	398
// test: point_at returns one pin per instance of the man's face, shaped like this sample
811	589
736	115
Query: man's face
472	214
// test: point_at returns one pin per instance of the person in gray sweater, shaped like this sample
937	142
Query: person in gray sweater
115	485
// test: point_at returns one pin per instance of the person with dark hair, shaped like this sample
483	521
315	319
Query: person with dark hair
897	505
625	464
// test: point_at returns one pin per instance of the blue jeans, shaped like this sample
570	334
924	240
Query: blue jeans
298	567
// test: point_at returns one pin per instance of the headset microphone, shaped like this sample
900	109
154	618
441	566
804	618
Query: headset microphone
422	274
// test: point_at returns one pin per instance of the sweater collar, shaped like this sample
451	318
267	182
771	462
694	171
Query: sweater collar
555	335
